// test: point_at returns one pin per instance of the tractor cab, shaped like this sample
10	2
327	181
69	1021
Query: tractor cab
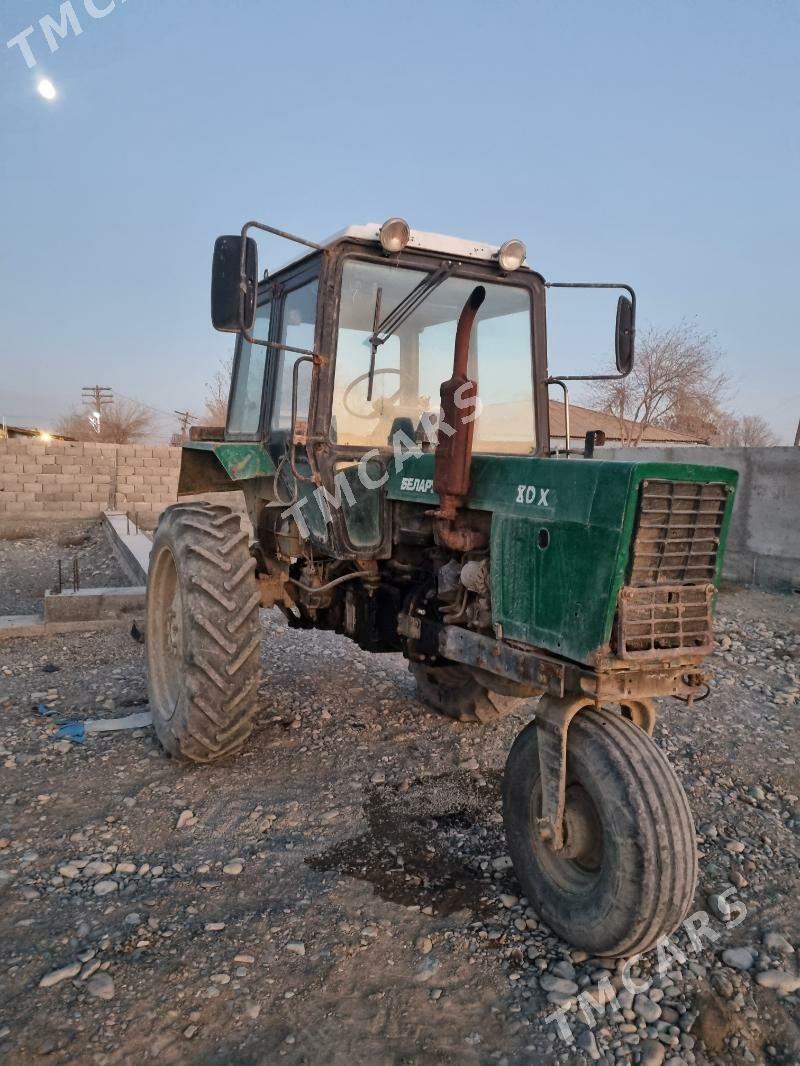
342	353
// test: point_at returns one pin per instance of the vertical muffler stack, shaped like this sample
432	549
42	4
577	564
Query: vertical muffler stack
459	398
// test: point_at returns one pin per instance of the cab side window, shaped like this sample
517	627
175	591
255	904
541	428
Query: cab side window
244	409
297	330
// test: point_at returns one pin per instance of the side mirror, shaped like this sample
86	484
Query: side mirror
233	287
623	339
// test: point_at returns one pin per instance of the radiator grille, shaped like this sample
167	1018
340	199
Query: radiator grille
654	620
678	533
666	604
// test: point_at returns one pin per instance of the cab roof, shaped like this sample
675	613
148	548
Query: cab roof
430	242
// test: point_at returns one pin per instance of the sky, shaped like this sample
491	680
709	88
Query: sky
653	143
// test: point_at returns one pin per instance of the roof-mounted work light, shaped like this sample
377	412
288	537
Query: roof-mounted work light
395	235
511	255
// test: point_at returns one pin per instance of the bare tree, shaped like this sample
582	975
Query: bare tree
122	422
217	391
747	431
676	370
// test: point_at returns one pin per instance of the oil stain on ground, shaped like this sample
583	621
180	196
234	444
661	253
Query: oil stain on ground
430	846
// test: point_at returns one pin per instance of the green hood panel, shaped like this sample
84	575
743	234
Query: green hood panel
561	532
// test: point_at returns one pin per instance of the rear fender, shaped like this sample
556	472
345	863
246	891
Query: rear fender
211	466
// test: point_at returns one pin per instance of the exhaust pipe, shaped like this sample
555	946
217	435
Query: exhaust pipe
459	395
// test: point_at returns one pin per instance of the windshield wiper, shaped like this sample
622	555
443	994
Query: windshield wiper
382	331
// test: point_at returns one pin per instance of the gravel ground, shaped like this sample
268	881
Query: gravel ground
29	555
341	893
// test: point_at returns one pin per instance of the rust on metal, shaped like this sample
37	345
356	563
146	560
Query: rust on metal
553	717
451	479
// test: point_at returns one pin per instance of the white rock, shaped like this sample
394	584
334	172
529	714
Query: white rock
296	947
103	888
101	986
56	976
778	942
185	818
738	958
785	983
233	868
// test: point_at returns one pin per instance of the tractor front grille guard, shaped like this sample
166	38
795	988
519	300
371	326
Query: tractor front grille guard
666	604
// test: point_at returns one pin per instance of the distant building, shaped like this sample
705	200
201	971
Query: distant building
10	432
583	420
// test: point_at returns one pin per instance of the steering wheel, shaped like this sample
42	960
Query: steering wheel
377	405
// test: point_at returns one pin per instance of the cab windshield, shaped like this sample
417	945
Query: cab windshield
414	361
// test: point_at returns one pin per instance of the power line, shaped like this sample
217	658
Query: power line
96	397
185	418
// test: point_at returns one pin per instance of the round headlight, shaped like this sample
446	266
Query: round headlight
511	255
395	234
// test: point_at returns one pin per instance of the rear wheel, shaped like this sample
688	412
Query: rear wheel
628	871
203	632
453	691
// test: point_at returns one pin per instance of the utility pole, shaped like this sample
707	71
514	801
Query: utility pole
797	436
185	418
96	397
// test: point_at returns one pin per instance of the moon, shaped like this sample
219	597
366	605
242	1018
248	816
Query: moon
46	89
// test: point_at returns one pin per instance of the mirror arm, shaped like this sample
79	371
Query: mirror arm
592	285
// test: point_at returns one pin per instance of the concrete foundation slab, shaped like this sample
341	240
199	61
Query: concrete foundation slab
90	605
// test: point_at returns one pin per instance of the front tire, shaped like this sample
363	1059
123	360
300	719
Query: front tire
454	692
203	632
629	873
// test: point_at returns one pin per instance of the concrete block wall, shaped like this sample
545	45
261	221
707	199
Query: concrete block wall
62	479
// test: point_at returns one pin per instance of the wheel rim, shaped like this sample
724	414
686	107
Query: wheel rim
166	619
579	864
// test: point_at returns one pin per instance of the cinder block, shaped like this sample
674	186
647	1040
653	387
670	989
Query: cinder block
143	453
70	468
12	507
30	486
26	497
101	479
124	470
32	468
37	507
91	508
131	479
7	496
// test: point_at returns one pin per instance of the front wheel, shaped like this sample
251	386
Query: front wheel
628	872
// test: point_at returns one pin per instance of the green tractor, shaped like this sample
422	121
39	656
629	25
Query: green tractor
388	426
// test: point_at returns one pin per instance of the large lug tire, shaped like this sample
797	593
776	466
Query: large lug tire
630	872
453	691
203	632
